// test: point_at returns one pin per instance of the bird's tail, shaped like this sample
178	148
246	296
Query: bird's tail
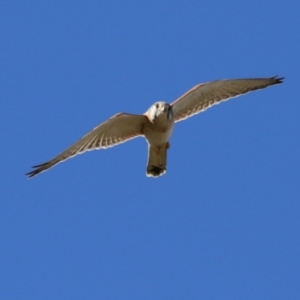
157	160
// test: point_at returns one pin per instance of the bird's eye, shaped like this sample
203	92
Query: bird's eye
157	105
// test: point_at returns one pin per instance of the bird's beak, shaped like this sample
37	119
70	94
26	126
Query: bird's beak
169	111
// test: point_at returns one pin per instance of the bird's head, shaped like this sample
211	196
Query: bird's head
161	110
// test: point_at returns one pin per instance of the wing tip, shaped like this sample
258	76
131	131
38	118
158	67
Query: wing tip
31	174
277	80
38	169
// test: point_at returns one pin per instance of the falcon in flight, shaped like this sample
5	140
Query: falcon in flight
157	123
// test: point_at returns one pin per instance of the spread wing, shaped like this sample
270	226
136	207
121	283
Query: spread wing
116	130
205	95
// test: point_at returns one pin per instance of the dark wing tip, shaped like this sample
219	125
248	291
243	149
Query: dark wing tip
32	173
38	169
277	79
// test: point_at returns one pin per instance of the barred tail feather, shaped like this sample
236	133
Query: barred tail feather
157	161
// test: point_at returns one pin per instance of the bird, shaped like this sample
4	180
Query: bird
157	123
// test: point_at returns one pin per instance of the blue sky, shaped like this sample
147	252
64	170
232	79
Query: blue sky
223	223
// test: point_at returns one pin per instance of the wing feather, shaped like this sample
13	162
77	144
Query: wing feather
118	129
205	95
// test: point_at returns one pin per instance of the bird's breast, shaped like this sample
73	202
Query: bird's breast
158	132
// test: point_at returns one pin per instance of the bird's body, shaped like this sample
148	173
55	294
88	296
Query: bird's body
157	124
158	132
159	129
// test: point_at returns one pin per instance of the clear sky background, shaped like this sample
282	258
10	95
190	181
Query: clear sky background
223	223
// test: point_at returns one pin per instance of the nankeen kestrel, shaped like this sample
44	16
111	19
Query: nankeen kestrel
157	123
